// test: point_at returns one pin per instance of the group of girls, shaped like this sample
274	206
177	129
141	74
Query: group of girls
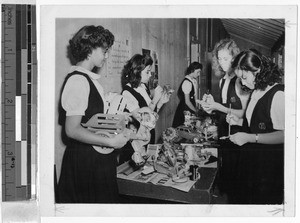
250	122
252	158
88	176
251	102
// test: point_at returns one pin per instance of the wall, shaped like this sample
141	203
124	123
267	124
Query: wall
168	37
209	32
218	32
205	74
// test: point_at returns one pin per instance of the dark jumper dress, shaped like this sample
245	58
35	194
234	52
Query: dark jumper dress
229	152
86	175
262	166
179	115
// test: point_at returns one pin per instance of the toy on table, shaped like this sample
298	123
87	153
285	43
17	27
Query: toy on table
171	158
209	129
190	133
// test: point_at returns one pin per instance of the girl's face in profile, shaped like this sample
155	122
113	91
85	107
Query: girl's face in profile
247	78
99	55
196	73
224	59
146	74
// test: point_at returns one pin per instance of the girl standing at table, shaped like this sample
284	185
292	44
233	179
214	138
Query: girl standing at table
187	93
87	176
135	78
232	100
262	140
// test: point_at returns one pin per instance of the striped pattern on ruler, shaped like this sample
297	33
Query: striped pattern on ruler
18	102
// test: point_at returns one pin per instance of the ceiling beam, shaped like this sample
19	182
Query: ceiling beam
258	32
260	26
272	23
268	24
245	25
250	41
251	36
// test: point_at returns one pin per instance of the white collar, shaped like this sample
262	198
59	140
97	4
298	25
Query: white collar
138	87
190	78
257	94
226	76
91	74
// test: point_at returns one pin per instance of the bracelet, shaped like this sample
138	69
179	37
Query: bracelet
256	138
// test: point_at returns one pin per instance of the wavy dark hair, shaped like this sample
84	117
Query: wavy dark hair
87	39
193	66
132	70
228	44
267	72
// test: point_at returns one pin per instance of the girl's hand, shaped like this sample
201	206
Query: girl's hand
211	105
207	107
232	119
158	91
240	138
199	101
128	116
118	141
164	99
208	98
136	114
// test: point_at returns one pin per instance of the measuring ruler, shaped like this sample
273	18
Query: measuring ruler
19	113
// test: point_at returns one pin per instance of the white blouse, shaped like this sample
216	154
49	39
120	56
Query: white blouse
132	102
187	86
76	92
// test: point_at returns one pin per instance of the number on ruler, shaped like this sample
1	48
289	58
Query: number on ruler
12	162
9	101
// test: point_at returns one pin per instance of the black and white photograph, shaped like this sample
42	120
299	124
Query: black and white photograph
170	110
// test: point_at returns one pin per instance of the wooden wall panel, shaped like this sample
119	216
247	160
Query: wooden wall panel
202	37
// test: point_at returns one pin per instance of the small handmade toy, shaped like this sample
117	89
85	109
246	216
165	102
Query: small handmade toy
167	90
109	125
209	129
170	135
147	119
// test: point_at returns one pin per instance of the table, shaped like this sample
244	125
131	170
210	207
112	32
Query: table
200	193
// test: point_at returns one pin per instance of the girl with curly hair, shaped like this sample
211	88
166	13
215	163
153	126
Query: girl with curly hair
135	78
187	93
262	139
232	100
86	175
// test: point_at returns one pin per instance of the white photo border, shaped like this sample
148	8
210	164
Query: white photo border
46	140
